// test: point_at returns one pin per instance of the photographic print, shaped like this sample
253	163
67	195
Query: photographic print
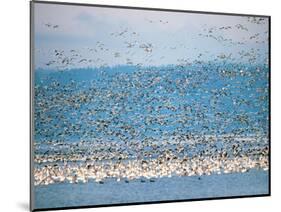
135	105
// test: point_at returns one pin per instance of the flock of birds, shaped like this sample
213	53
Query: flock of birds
98	162
139	52
138	122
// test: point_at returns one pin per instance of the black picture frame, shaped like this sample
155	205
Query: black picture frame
31	89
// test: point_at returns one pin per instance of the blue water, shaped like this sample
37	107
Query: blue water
176	188
127	102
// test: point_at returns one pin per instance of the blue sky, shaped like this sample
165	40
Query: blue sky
106	36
